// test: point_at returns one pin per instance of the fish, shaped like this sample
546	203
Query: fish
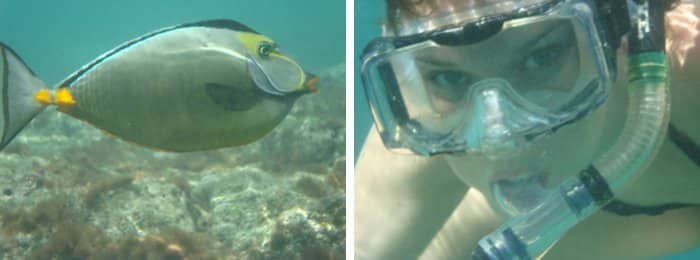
189	87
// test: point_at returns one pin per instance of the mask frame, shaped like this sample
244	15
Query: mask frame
389	109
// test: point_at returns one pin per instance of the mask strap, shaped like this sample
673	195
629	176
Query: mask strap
625	209
687	145
691	149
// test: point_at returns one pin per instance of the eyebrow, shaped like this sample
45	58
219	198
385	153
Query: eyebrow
432	61
545	35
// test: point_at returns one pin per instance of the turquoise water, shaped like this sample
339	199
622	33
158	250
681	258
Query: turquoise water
366	28
69	191
57	37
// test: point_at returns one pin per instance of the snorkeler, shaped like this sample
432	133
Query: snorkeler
517	120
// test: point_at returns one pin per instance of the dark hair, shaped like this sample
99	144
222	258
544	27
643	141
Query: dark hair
422	8
408	9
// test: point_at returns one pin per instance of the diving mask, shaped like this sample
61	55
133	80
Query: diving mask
490	84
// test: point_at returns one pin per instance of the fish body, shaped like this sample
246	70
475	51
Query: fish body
189	87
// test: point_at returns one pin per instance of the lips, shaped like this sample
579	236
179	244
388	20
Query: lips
521	174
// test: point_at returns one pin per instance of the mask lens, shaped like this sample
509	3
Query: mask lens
543	71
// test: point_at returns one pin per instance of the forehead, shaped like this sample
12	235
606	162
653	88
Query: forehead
511	40
415	16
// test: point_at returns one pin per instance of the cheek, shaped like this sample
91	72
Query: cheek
550	160
443	99
685	100
568	72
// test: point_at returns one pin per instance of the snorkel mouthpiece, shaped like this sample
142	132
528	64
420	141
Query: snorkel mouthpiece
531	234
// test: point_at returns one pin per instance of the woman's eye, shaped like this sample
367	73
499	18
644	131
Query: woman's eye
449	78
543	57
450	85
265	48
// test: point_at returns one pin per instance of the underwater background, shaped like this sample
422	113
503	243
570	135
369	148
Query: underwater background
369	15
71	192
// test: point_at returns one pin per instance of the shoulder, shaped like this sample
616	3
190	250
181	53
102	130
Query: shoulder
608	236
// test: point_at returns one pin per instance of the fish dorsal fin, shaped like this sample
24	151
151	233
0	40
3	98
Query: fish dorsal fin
232	98
216	23
220	23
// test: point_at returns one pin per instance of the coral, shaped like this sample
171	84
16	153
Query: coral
171	243
42	218
75	193
198	203
69	238
297	234
106	184
72	241
309	187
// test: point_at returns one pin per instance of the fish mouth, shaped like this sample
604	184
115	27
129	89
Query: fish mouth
311	79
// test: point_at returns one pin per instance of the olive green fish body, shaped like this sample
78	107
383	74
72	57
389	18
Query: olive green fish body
191	87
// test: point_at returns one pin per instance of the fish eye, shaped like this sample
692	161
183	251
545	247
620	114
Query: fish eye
265	48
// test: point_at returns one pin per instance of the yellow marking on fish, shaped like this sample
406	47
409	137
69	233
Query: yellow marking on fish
251	41
300	84
64	99
43	97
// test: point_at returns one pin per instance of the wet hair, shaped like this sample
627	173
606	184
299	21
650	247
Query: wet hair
423	8
409	9
414	7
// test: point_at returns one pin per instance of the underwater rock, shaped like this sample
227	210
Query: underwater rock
299	234
309	143
244	198
147	206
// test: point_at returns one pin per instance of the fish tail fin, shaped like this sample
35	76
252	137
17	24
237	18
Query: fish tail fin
22	95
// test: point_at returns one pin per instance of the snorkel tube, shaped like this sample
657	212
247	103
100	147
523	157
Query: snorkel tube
531	234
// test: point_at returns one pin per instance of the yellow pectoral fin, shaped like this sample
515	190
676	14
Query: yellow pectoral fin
64	99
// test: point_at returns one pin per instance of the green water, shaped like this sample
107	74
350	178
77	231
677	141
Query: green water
369	15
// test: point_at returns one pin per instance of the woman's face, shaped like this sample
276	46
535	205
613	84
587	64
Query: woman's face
573	147
683	40
539	61
546	162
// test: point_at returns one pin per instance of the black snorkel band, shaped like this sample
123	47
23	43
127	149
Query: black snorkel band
685	143
649	36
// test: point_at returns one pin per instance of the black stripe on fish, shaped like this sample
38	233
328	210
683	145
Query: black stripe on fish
218	23
5	83
221	23
4	46
232	98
